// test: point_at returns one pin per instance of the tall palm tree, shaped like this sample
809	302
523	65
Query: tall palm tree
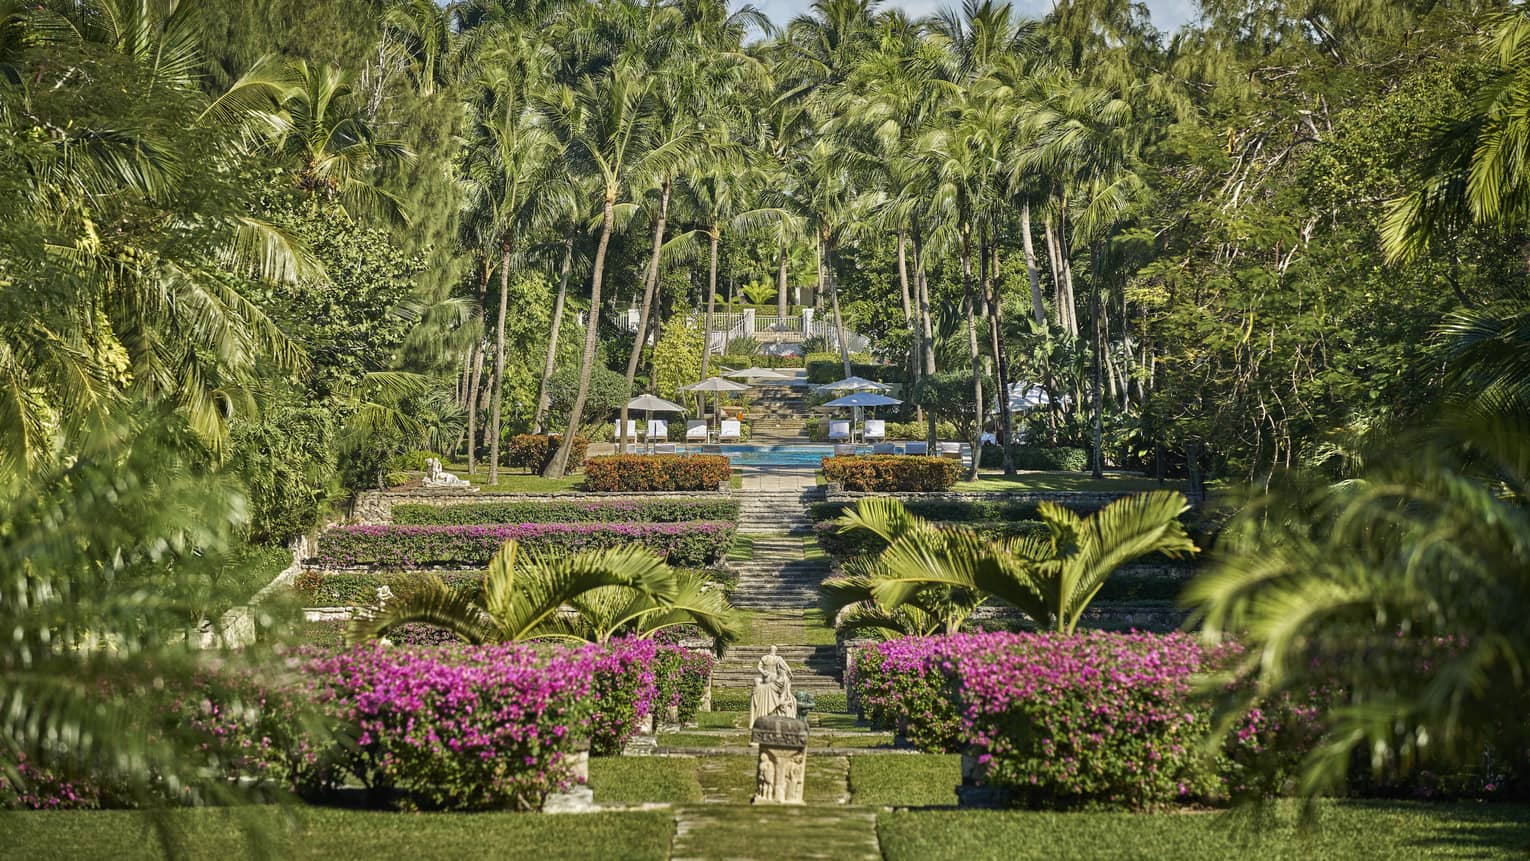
607	124
424	28
1050	578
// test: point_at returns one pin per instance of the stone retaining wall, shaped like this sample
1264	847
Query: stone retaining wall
375	507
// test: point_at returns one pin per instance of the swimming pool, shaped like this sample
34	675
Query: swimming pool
773	455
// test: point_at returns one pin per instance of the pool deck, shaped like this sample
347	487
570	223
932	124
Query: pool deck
776	477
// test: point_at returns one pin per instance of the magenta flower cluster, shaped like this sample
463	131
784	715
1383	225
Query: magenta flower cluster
1058	720
689	544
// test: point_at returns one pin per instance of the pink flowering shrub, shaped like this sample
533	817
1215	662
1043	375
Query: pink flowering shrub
1092	718
623	690
682	678
689	544
42	788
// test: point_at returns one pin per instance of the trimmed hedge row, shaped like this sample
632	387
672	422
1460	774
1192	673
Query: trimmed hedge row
1062	459
862	542
357	588
645	472
944	510
817	429
891	472
568	511
535	451
695	544
827	370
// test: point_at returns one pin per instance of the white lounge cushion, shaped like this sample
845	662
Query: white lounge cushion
695	429
839	430
657	429
616	429
731	429
875	429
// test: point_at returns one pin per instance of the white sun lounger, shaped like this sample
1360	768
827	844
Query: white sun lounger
839	430
632	434
657	429
845	448
732	430
874	430
951	450
695	430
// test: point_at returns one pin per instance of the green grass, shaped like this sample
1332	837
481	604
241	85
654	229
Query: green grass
248	571
736	481
720	720
639	779
326	833
913	780
818	631
1345	830
810	548
1075	481
742	548
693	739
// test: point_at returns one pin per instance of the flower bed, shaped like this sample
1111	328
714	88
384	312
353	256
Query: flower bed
568	511
1062	721
693	544
883	473
623	473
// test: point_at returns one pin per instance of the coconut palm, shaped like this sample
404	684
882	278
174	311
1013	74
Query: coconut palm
424	29
586	596
1052	578
1399	593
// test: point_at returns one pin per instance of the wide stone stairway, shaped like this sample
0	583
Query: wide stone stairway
814	668
778	416
764	511
778	576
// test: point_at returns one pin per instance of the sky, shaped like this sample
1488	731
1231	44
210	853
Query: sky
1168	15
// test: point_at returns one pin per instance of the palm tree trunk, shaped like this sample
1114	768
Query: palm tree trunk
499	362
706	347
1038	306
650	281
1098	465
926	328
1001	367
552	337
908	311
977	357
559	463
826	276
476	361
780	287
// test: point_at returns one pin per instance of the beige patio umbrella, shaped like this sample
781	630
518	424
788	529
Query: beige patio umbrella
650	404
715	385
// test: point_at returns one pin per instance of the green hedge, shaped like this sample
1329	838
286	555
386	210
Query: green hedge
827	367
943	510
817	429
696	543
860	542
643	472
1035	457
568	511
356	588
891	472
534	452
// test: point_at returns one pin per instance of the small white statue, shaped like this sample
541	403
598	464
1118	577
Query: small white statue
435	476
772	693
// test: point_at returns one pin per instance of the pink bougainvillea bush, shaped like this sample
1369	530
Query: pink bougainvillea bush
682	677
1060	721
694	543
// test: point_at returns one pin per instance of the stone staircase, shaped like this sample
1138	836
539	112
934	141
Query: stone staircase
778	416
814	668
777	512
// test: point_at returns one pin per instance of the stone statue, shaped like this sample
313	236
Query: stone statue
783	759
772	693
435	476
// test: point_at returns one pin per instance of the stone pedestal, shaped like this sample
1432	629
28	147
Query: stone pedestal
783	759
578	798
644	741
974	791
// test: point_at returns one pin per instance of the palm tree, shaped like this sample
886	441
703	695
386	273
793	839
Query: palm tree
585	596
607	124
1050	578
424	28
1399	593
848	600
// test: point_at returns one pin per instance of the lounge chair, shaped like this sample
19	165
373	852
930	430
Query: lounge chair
839	430
919	448
696	430
951	450
657	430
874	430
845	448
883	448
632	434
732	430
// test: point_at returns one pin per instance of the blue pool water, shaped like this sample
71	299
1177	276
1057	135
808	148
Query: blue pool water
772	455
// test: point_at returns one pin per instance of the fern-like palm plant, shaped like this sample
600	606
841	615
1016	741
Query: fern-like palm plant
1052	578
586	597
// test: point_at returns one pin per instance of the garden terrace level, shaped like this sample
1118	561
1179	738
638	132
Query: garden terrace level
376	507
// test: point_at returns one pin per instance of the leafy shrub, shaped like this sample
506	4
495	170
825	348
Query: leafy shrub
607	393
817	428
42	788
1065	459
411	460
534	452
624	692
945	510
682	676
357	588
287	461
645	472
694	544
891	472
664	510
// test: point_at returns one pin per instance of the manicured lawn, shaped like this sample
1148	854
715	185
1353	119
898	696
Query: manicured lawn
742	548
326	833
639	779
913	780
1081	481
1346	830
817	631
